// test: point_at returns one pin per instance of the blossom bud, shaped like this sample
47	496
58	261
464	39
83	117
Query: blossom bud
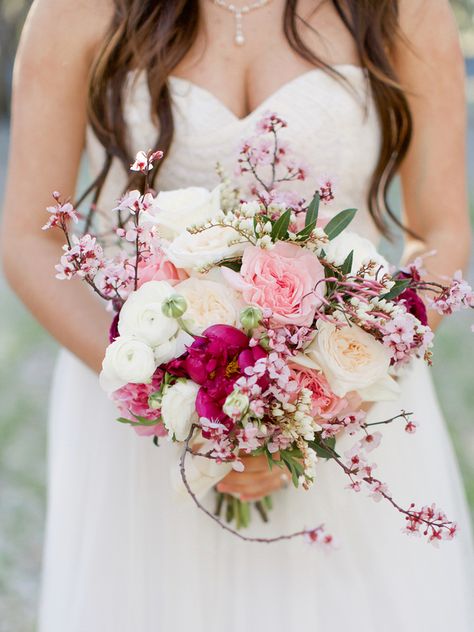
250	317
154	400
174	306
236	404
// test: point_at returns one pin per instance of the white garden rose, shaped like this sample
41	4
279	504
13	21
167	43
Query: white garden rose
142	316
175	211
364	251
195	251
351	360
178	408
127	360
209	303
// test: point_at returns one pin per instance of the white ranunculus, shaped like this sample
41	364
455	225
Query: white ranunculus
175	211
209	303
195	251
364	251
127	360
351	360
173	348
178	408
142	317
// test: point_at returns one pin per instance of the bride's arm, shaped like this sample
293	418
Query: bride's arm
47	138
431	69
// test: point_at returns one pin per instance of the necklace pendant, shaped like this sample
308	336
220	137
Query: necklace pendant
239	31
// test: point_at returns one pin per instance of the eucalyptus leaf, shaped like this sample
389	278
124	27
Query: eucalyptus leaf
339	222
397	289
347	265
280	227
313	210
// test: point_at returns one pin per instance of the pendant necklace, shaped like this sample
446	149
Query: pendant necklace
239	13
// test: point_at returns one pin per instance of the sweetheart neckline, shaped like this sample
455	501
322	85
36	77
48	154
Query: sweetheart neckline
261	106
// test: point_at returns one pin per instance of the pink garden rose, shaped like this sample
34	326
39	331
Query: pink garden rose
158	268
282	279
325	404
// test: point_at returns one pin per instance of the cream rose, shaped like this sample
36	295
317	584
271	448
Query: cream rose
195	251
209	303
142	317
127	360
351	360
175	211
178	408
364	251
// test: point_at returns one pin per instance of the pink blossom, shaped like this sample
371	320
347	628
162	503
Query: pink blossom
456	296
282	279
60	214
144	161
83	258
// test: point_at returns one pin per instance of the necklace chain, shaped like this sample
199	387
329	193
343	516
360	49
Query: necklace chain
238	13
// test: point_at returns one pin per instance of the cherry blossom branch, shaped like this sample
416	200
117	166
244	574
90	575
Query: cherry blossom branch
312	534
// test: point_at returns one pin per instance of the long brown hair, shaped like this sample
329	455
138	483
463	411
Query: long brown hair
157	34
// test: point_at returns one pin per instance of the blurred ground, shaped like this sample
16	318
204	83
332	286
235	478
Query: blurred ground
26	360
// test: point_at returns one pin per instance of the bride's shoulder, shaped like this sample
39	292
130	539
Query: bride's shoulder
420	18
430	39
77	26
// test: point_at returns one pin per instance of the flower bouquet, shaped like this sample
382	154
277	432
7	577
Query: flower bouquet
251	322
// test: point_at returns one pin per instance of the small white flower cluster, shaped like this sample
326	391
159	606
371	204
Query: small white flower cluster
295	418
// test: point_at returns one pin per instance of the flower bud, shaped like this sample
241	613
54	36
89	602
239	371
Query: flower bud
174	306
154	400
236	404
250	317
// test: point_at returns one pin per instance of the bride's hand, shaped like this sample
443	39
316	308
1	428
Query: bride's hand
256	481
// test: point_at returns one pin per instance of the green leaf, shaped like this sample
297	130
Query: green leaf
325	451
313	210
397	289
233	265
347	265
305	232
140	421
338	223
280	227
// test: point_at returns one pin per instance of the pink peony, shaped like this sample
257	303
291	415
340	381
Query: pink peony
132	399
282	279
325	404
215	361
158	268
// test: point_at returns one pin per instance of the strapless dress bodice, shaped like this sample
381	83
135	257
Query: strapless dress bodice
332	126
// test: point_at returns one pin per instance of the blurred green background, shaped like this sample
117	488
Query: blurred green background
27	357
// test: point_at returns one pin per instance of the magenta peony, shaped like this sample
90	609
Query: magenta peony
215	361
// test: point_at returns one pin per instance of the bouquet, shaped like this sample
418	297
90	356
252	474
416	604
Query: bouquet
248	321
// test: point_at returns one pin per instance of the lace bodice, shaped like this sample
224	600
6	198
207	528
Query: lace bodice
333	126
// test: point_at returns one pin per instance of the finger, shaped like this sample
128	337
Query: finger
261	492
255	463
247	484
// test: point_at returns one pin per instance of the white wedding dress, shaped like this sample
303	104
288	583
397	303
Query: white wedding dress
126	553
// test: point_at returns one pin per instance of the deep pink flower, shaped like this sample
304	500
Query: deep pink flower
414	305
113	331
215	361
132	399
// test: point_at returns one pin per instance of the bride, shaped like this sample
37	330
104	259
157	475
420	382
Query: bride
369	89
